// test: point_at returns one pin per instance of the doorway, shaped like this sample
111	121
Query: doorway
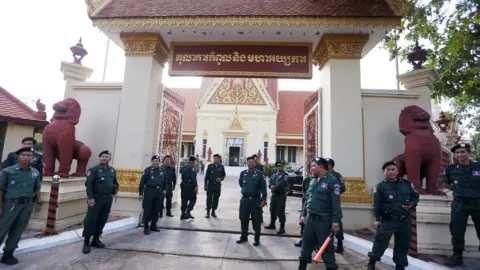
234	156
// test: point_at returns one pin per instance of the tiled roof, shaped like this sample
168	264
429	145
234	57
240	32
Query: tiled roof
190	112
290	115
15	111
274	8
272	88
187	137
289	141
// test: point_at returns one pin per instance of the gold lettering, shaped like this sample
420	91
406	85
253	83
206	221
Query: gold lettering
259	58
243	58
251	58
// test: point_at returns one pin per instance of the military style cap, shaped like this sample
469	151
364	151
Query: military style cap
216	155
330	161
192	158
25	149
27	139
104	152
279	162
461	145
320	161
155	157
251	158
388	163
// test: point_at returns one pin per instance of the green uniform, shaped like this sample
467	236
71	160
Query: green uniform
387	208
18	187
37	162
254	191
171	183
188	185
340	181
101	184
305	186
465	181
213	187
322	208
278	182
152	185
260	167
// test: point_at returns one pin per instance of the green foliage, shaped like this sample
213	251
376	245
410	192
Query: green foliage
475	154
453	29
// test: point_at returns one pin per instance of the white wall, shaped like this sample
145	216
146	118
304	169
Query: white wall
13	137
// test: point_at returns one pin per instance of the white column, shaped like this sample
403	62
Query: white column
135	140
73	73
421	81
341	100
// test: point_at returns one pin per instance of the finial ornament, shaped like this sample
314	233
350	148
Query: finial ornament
417	57
78	52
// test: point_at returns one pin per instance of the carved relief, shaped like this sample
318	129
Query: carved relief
236	124
129	179
339	46
145	44
356	191
310	137
237	91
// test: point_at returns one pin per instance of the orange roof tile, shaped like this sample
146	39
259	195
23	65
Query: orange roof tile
15	111
190	111
187	137
273	8
290	115
272	88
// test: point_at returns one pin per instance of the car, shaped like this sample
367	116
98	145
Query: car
295	181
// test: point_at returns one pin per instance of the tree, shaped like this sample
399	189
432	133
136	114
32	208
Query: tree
453	29
475	154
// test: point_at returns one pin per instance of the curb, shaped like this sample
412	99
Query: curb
362	246
68	237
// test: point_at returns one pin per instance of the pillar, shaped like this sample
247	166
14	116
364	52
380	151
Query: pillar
341	128
421	81
135	141
73	73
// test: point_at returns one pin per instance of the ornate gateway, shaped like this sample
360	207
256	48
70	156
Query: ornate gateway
311	128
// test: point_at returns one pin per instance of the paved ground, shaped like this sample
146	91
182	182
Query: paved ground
192	244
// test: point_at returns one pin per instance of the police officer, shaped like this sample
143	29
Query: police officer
18	186
261	168
305	185
462	177
213	184
37	161
394	199
101	185
154	181
189	188
339	177
171	183
321	214
254	197
278	186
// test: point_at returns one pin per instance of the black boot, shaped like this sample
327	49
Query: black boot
282	229
456	259
183	216
154	228
242	239
169	213
213	214
160	215
207	215
8	258
256	242
86	245
271	226
146	230
371	264
399	267
339	248
299	243
188	215
96	242
302	265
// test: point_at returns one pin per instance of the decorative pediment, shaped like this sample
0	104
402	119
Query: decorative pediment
240	91
236	125
205	134
266	137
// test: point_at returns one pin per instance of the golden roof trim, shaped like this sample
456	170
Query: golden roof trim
339	46
145	44
398	6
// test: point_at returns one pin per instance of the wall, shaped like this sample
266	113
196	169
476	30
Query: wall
382	139
98	123
13	137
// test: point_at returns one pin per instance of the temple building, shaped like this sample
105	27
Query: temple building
239	117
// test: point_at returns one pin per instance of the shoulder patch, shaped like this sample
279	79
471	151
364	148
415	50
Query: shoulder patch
193	169
89	173
337	190
336	186
341	179
374	190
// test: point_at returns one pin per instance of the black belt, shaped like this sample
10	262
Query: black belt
20	200
318	217
467	201
250	197
395	218
157	187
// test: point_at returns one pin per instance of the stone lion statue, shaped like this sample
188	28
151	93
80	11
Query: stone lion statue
422	155
59	141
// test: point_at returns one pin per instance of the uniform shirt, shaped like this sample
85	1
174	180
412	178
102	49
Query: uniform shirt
37	162
390	196
189	176
153	177
253	184
260	167
101	181
339	181
171	175
323	198
465	180
279	181
214	172
305	186
16	182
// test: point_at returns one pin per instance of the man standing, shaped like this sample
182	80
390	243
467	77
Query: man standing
460	177
213	184
171	183
189	188
339	177
305	185
101	185
18	185
254	198
37	161
321	214
154	181
278	187
261	168
394	199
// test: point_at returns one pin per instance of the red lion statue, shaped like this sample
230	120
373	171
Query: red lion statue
422	155
59	141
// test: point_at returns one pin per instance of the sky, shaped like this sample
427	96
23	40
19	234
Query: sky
36	39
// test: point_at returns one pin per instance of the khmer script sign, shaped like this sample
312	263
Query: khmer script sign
248	60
